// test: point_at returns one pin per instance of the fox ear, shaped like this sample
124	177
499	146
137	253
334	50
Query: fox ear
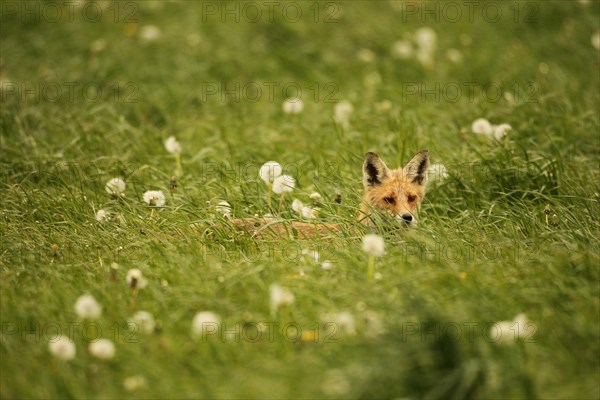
416	169
374	170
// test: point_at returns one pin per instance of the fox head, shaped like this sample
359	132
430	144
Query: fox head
394	194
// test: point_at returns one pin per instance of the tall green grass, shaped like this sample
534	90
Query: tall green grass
484	250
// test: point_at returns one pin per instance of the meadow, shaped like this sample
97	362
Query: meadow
508	233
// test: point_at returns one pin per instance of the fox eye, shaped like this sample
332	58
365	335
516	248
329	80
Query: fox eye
389	200
411	198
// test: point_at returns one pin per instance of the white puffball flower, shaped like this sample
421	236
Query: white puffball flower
344	322
402	49
269	171
62	348
144	321
596	40
373	325
280	296
155	198
150	33
327	265
309	213
283	184
202	320
172	145
135	279
297	206
522	325
98	45
135	382
342	112
103	349
482	126
384	105
454	55
312	255
426	38
437	173
293	106
373	245
101	215
315	196
501	130
502	332
224	209
115	186
365	55
509	331
87	307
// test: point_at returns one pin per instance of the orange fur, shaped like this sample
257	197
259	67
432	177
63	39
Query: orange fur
393	195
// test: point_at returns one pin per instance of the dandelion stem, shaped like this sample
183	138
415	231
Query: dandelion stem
371	268
280	203
269	198
178	168
133	298
152	213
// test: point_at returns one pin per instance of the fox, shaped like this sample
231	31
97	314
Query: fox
390	201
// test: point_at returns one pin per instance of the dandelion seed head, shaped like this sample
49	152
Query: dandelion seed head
315	196
101	215
135	279
194	39
133	383
454	55
482	126
342	112
293	106
372	323
98	45
144	321
402	49
115	186
297	206
596	40
224	208
283	184
344	321
365	55
155	198
103	349
426	38
326	265
62	348
502	332
150	33
373	245
269	171
309	213
501	131
202	320
312	255
87	307
280	296
172	145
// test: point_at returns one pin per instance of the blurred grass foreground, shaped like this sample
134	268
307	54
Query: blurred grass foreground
123	122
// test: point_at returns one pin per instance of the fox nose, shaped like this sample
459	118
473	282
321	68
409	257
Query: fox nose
407	217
